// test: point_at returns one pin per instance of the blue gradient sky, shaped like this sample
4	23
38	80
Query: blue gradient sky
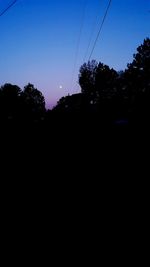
39	40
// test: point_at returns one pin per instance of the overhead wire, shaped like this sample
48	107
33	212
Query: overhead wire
100	29
91	36
8	7
78	41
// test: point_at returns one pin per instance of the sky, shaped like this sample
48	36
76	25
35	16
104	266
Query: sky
45	42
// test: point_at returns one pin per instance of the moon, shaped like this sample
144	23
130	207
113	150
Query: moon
60	87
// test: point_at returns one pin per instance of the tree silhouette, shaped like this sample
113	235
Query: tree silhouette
99	85
137	74
119	94
104	91
97	80
16	104
10	101
106	81
87	75
72	103
137	79
33	102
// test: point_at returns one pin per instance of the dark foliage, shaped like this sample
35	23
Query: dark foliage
9	101
33	103
137	82
106	95
17	105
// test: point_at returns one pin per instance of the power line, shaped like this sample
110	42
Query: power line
100	29
7	8
91	35
78	41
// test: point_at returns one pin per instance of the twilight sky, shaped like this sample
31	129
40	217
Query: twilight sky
45	42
